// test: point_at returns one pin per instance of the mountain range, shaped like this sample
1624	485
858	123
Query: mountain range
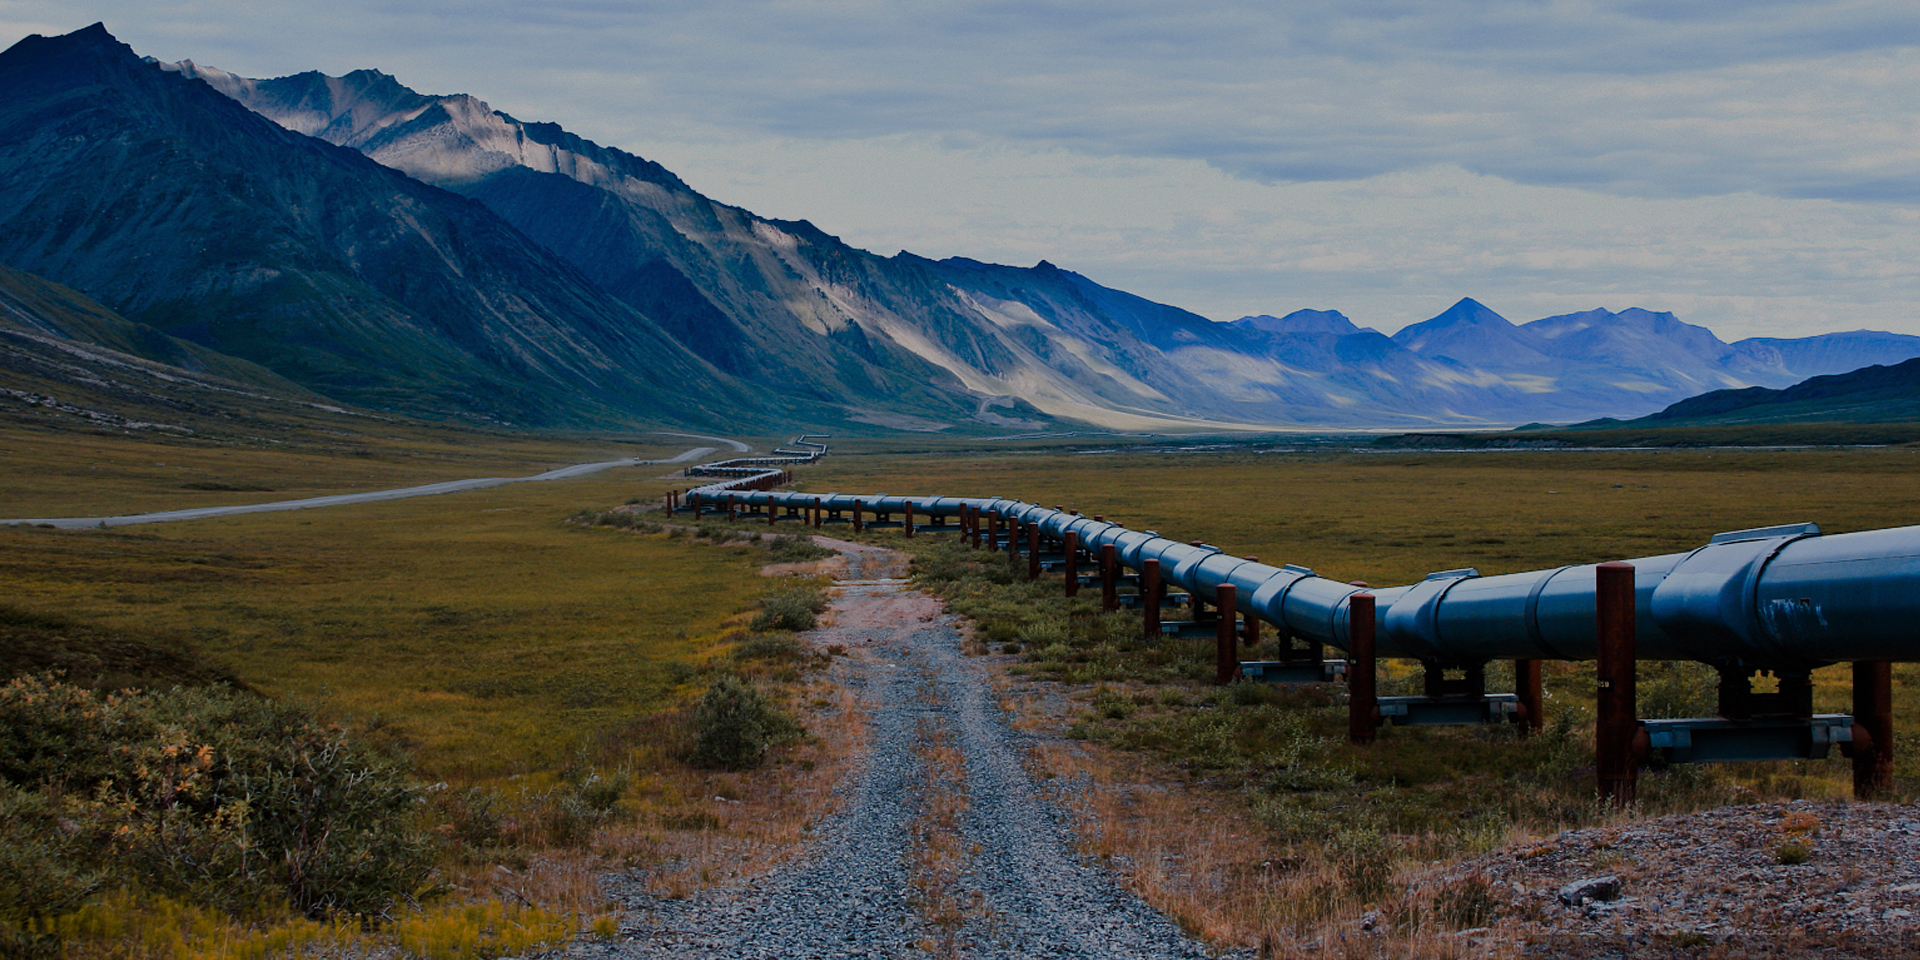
428	255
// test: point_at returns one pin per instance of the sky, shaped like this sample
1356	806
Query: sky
1751	166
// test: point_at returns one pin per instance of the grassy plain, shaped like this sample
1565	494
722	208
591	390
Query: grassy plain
1391	518
480	630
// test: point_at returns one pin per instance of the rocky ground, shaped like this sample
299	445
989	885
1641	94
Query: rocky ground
1826	879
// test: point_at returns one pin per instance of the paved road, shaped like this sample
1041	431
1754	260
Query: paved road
371	496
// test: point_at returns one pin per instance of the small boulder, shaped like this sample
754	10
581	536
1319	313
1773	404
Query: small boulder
1589	889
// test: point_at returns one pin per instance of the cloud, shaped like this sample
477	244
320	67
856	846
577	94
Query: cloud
1786	99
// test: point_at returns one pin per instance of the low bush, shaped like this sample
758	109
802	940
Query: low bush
795	608
735	726
791	548
776	647
584	801
221	798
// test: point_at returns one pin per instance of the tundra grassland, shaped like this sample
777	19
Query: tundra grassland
537	675
1241	810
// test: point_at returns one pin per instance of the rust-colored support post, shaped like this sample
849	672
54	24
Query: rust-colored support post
773	512
1616	763
1250	631
1073	564
732	508
1873	717
1033	551
1150	598
819	507
906	522
1363	704
669	502
1226	647
1533	701
857	527
1109	577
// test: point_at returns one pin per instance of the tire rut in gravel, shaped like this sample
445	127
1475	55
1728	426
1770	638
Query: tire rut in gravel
1012	887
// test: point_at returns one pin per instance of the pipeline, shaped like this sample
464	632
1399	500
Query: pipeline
1780	598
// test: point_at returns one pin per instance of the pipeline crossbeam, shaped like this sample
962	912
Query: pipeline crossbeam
1774	598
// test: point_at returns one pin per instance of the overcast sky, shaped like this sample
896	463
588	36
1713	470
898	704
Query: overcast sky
1751	166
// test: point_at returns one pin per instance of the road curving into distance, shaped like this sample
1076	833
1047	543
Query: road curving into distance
370	496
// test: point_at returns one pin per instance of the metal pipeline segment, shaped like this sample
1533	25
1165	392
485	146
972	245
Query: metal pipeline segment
1780	597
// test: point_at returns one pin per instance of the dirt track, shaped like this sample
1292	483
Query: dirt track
944	846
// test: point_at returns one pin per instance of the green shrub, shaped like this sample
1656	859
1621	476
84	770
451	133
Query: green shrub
797	608
584	800
789	548
223	798
735	725
778	647
44	868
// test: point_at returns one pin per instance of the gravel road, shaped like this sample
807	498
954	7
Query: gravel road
944	846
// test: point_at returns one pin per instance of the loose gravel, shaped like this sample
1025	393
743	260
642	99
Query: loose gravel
866	888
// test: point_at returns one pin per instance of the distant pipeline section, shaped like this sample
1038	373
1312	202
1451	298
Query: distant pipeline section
1778	600
761	473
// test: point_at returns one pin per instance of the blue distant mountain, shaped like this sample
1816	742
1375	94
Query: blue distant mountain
427	254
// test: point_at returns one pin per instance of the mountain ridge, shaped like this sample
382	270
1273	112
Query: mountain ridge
602	286
312	260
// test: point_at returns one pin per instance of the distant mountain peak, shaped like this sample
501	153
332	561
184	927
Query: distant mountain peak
1467	309
1469	332
1300	322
